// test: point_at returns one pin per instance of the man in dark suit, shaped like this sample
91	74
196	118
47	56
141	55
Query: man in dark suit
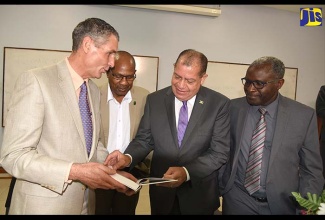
320	110
203	150
290	157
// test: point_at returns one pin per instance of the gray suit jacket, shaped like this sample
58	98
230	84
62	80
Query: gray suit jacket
43	136
204	149
295	163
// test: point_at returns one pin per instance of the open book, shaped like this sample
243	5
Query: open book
137	185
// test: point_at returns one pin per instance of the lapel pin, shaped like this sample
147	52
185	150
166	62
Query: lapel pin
201	102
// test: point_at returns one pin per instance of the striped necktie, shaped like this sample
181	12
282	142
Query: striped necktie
86	116
253	170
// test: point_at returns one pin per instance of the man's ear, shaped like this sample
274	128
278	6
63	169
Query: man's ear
86	44
280	83
203	78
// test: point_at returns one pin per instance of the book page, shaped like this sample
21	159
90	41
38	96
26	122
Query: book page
137	185
154	180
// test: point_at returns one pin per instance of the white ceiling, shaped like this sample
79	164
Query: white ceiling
294	8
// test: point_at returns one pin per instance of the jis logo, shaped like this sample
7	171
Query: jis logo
310	17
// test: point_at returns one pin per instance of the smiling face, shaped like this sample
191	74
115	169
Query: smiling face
269	92
121	77
189	74
186	81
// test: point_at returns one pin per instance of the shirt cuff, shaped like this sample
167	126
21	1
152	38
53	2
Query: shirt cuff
67	176
187	174
130	159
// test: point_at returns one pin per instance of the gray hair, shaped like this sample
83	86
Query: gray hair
277	66
97	29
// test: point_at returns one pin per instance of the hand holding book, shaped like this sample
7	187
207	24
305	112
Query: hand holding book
137	185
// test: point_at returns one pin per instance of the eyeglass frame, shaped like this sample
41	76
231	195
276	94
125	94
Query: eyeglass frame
120	77
249	82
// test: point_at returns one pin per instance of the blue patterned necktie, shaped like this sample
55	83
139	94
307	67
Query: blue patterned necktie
253	170
182	122
86	116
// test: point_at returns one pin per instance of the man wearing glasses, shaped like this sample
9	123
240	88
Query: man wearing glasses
122	106
278	157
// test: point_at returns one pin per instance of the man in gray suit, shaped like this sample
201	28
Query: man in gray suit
194	163
290	159
44	144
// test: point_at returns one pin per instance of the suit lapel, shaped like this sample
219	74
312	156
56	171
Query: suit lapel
280	128
133	109
199	106
240	118
94	108
105	114
69	93
170	109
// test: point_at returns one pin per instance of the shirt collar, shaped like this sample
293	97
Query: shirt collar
190	101
127	97
76	78
271	108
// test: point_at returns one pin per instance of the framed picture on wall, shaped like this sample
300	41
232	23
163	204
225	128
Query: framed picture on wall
18	60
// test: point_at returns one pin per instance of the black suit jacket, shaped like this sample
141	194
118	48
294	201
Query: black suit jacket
204	149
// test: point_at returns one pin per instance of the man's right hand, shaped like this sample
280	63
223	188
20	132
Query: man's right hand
95	175
117	160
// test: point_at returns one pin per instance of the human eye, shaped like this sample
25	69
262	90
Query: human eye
259	84
118	76
190	81
177	77
130	77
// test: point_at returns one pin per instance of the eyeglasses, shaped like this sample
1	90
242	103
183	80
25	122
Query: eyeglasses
257	84
119	77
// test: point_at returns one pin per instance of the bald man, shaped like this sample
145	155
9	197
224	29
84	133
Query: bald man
122	106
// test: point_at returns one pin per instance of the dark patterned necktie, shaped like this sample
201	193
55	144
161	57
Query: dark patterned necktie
182	122
253	170
86	116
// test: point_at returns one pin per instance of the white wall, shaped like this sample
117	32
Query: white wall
240	34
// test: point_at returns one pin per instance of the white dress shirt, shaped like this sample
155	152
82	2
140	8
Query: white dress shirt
119	122
178	106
